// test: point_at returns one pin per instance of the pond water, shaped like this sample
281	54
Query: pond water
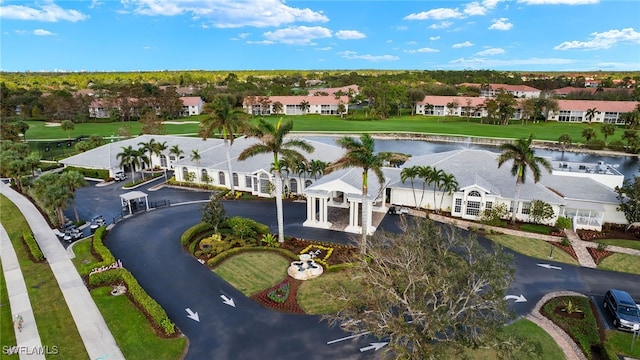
627	165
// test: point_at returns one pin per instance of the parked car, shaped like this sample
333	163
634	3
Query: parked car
398	210
120	176
625	311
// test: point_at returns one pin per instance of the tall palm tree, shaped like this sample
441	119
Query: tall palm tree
317	167
435	177
305	106
159	147
129	157
149	147
523	157
175	150
272	141
448	184
302	168
228	121
361	153
410	173
590	114
195	156
423	173
73	180
52	195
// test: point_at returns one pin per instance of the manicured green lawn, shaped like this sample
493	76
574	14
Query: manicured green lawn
631	244
84	260
252	272
315	296
49	307
533	247
620	341
8	337
332	124
132	331
621	263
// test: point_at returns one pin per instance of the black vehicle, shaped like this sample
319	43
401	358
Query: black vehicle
625	312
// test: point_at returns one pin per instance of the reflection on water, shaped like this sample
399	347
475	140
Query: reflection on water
627	165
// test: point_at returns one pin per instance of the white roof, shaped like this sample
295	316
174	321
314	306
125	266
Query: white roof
133	195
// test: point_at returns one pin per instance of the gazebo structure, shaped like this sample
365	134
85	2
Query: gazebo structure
334	195
133	201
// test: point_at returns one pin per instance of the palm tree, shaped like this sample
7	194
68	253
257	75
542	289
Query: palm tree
589	133
523	157
272	141
565	140
317	167
607	130
52	195
304	105
277	107
159	148
227	120
195	156
435	177
149	147
73	180
67	125
448	184
423	173
129	157
302	168
410	173
590	114
175	150
360	153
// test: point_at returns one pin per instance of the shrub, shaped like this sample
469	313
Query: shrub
594	144
270	240
33	246
494	215
616	145
100	249
192	232
241	227
91	173
565	241
563	223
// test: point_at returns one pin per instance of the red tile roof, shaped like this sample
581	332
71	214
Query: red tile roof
191	100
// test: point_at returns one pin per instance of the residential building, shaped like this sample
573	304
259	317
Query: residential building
349	90
293	105
192	105
609	112
491	90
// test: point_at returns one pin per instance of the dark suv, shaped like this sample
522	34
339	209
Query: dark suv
625	312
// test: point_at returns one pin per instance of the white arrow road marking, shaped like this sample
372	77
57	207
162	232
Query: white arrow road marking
228	301
192	315
549	266
518	299
347	338
374	346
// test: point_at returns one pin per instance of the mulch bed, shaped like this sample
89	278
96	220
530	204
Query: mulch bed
340	254
598	255
286	291
567	248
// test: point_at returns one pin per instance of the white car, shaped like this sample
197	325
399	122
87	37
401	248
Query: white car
120	176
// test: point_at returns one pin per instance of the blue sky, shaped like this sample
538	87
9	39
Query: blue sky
130	35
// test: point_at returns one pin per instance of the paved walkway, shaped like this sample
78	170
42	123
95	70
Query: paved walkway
28	338
95	333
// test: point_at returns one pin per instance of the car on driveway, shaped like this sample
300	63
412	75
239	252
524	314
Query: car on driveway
119	176
398	210
625	311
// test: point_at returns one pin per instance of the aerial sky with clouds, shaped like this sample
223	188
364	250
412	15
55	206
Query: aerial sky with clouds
131	35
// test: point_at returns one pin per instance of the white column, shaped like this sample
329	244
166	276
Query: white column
310	200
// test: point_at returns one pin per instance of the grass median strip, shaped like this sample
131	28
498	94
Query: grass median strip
621	263
533	247
55	324
251	272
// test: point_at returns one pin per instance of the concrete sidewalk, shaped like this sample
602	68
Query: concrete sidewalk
95	333
28	338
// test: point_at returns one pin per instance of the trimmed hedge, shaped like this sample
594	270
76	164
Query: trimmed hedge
191	232
91	173
100	249
137	293
33	246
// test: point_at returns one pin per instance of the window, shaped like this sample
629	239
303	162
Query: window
163	161
185	171
474	193
458	207
221	178
488	205
235	179
511	204
293	186
473	208
204	177
526	208
247	181
264	184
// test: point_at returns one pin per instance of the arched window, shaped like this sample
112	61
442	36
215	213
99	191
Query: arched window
163	160
235	180
221	178
474	193
293	186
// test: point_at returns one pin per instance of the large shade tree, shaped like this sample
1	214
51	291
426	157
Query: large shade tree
273	141
428	292
360	153
221	116
523	158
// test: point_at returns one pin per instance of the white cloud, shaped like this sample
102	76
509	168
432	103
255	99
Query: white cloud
422	50
389	41
261	42
493	63
48	12
602	40
229	13
474	9
435	14
349	35
501	24
327	48
462	44
298	35
442	25
434	38
490	52
412	42
352	55
558	2
42	32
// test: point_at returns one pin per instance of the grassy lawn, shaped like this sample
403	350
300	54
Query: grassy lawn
6	325
251	272
333	124
630	244
84	260
49	307
533	247
132	330
313	294
620	341
621	263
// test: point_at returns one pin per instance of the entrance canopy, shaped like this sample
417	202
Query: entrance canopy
133	200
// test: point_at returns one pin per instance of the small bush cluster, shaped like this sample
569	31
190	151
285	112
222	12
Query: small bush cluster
33	246
192	232
91	173
100	250
594	144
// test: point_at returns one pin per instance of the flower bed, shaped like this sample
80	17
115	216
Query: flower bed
327	254
281	297
567	248
598	255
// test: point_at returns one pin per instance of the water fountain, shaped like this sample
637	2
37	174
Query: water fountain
304	269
